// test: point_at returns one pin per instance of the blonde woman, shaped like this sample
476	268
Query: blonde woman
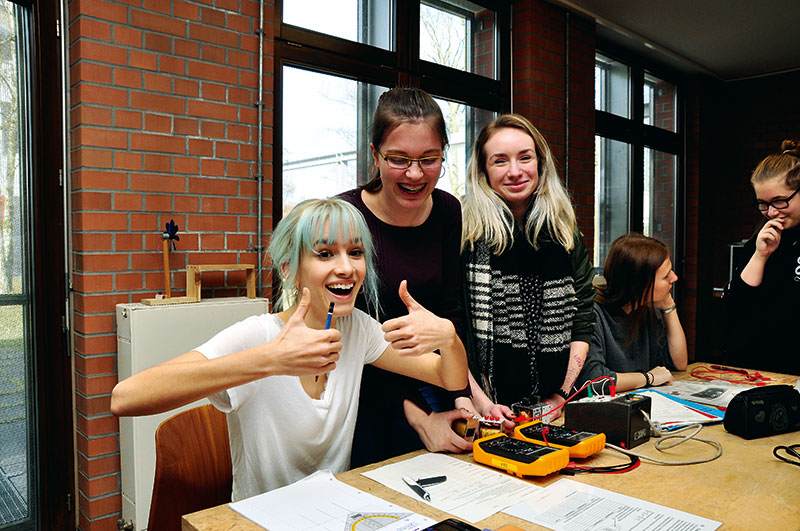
527	274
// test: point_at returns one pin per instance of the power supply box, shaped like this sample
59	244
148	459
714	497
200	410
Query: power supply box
619	418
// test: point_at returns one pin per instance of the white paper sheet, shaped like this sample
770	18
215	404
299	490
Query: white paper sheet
567	505
322	502
471	492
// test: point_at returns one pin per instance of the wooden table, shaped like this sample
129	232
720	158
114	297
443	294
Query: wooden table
746	488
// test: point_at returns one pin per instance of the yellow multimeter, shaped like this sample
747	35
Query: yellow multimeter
518	457
578	443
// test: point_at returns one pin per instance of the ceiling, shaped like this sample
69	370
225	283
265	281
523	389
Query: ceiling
727	39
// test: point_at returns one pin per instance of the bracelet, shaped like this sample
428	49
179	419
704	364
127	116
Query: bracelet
563	394
672	308
648	378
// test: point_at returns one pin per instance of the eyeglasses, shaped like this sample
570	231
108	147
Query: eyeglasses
400	162
778	204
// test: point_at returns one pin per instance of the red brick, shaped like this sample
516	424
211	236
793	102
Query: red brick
86	114
226	150
101	506
91	282
90	72
212	129
144	222
100	95
143	60
200	147
158	83
128	242
158	43
90	136
110	11
173	65
238	169
127	36
158	183
125	160
158	23
95	158
212	167
158	143
102	262
212	242
90	29
213	205
186	204
159	202
97	51
186	165
187	48
185	87
185	10
158	123
128	281
238	205
91	242
93	324
184	126
93	405
98	466
202	223
213	54
219	36
99	486
91	201
200	70
157	102
128	119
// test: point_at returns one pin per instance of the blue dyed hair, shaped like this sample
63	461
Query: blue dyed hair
298	232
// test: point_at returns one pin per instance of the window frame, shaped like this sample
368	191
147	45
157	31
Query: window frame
634	132
308	49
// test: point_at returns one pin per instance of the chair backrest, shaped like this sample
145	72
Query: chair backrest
193	466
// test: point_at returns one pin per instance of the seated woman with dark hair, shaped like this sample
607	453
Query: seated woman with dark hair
638	337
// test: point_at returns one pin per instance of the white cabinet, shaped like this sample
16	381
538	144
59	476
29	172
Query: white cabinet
146	336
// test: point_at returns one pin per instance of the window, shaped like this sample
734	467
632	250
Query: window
334	64
638	148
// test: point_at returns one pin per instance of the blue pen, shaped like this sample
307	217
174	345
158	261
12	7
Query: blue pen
327	326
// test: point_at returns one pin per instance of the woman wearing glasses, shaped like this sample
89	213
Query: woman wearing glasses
763	294
527	272
416	230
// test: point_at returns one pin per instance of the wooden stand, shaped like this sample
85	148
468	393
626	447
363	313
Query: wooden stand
193	278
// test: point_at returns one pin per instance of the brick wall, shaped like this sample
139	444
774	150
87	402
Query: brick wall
540	71
163	126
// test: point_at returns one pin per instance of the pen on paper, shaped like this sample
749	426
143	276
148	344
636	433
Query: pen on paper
422	493
327	326
434	480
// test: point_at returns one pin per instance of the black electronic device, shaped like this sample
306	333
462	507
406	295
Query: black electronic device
763	411
452	524
579	443
620	418
522	458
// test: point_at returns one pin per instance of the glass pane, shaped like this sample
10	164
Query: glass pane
660	171
322	118
364	21
612	195
660	108
13	417
612	86
16	454
463	125
458	34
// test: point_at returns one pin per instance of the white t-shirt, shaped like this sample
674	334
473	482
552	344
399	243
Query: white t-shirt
278	433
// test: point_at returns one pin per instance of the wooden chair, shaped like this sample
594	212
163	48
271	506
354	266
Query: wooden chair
193	466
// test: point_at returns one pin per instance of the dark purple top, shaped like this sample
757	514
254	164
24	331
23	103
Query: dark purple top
427	256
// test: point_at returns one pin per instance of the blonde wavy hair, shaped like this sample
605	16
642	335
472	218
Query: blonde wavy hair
487	216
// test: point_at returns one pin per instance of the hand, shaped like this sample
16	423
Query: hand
663	304
661	376
436	431
555	401
303	350
769	238
418	332
503	412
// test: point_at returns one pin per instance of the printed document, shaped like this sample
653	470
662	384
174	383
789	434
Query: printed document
322	502
567	505
471	492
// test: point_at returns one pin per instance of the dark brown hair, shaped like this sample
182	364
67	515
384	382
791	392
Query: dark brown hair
403	105
630	272
784	164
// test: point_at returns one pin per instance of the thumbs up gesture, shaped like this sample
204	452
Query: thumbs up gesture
420	331
303	350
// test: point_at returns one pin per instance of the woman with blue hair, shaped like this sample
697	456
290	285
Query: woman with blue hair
296	369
